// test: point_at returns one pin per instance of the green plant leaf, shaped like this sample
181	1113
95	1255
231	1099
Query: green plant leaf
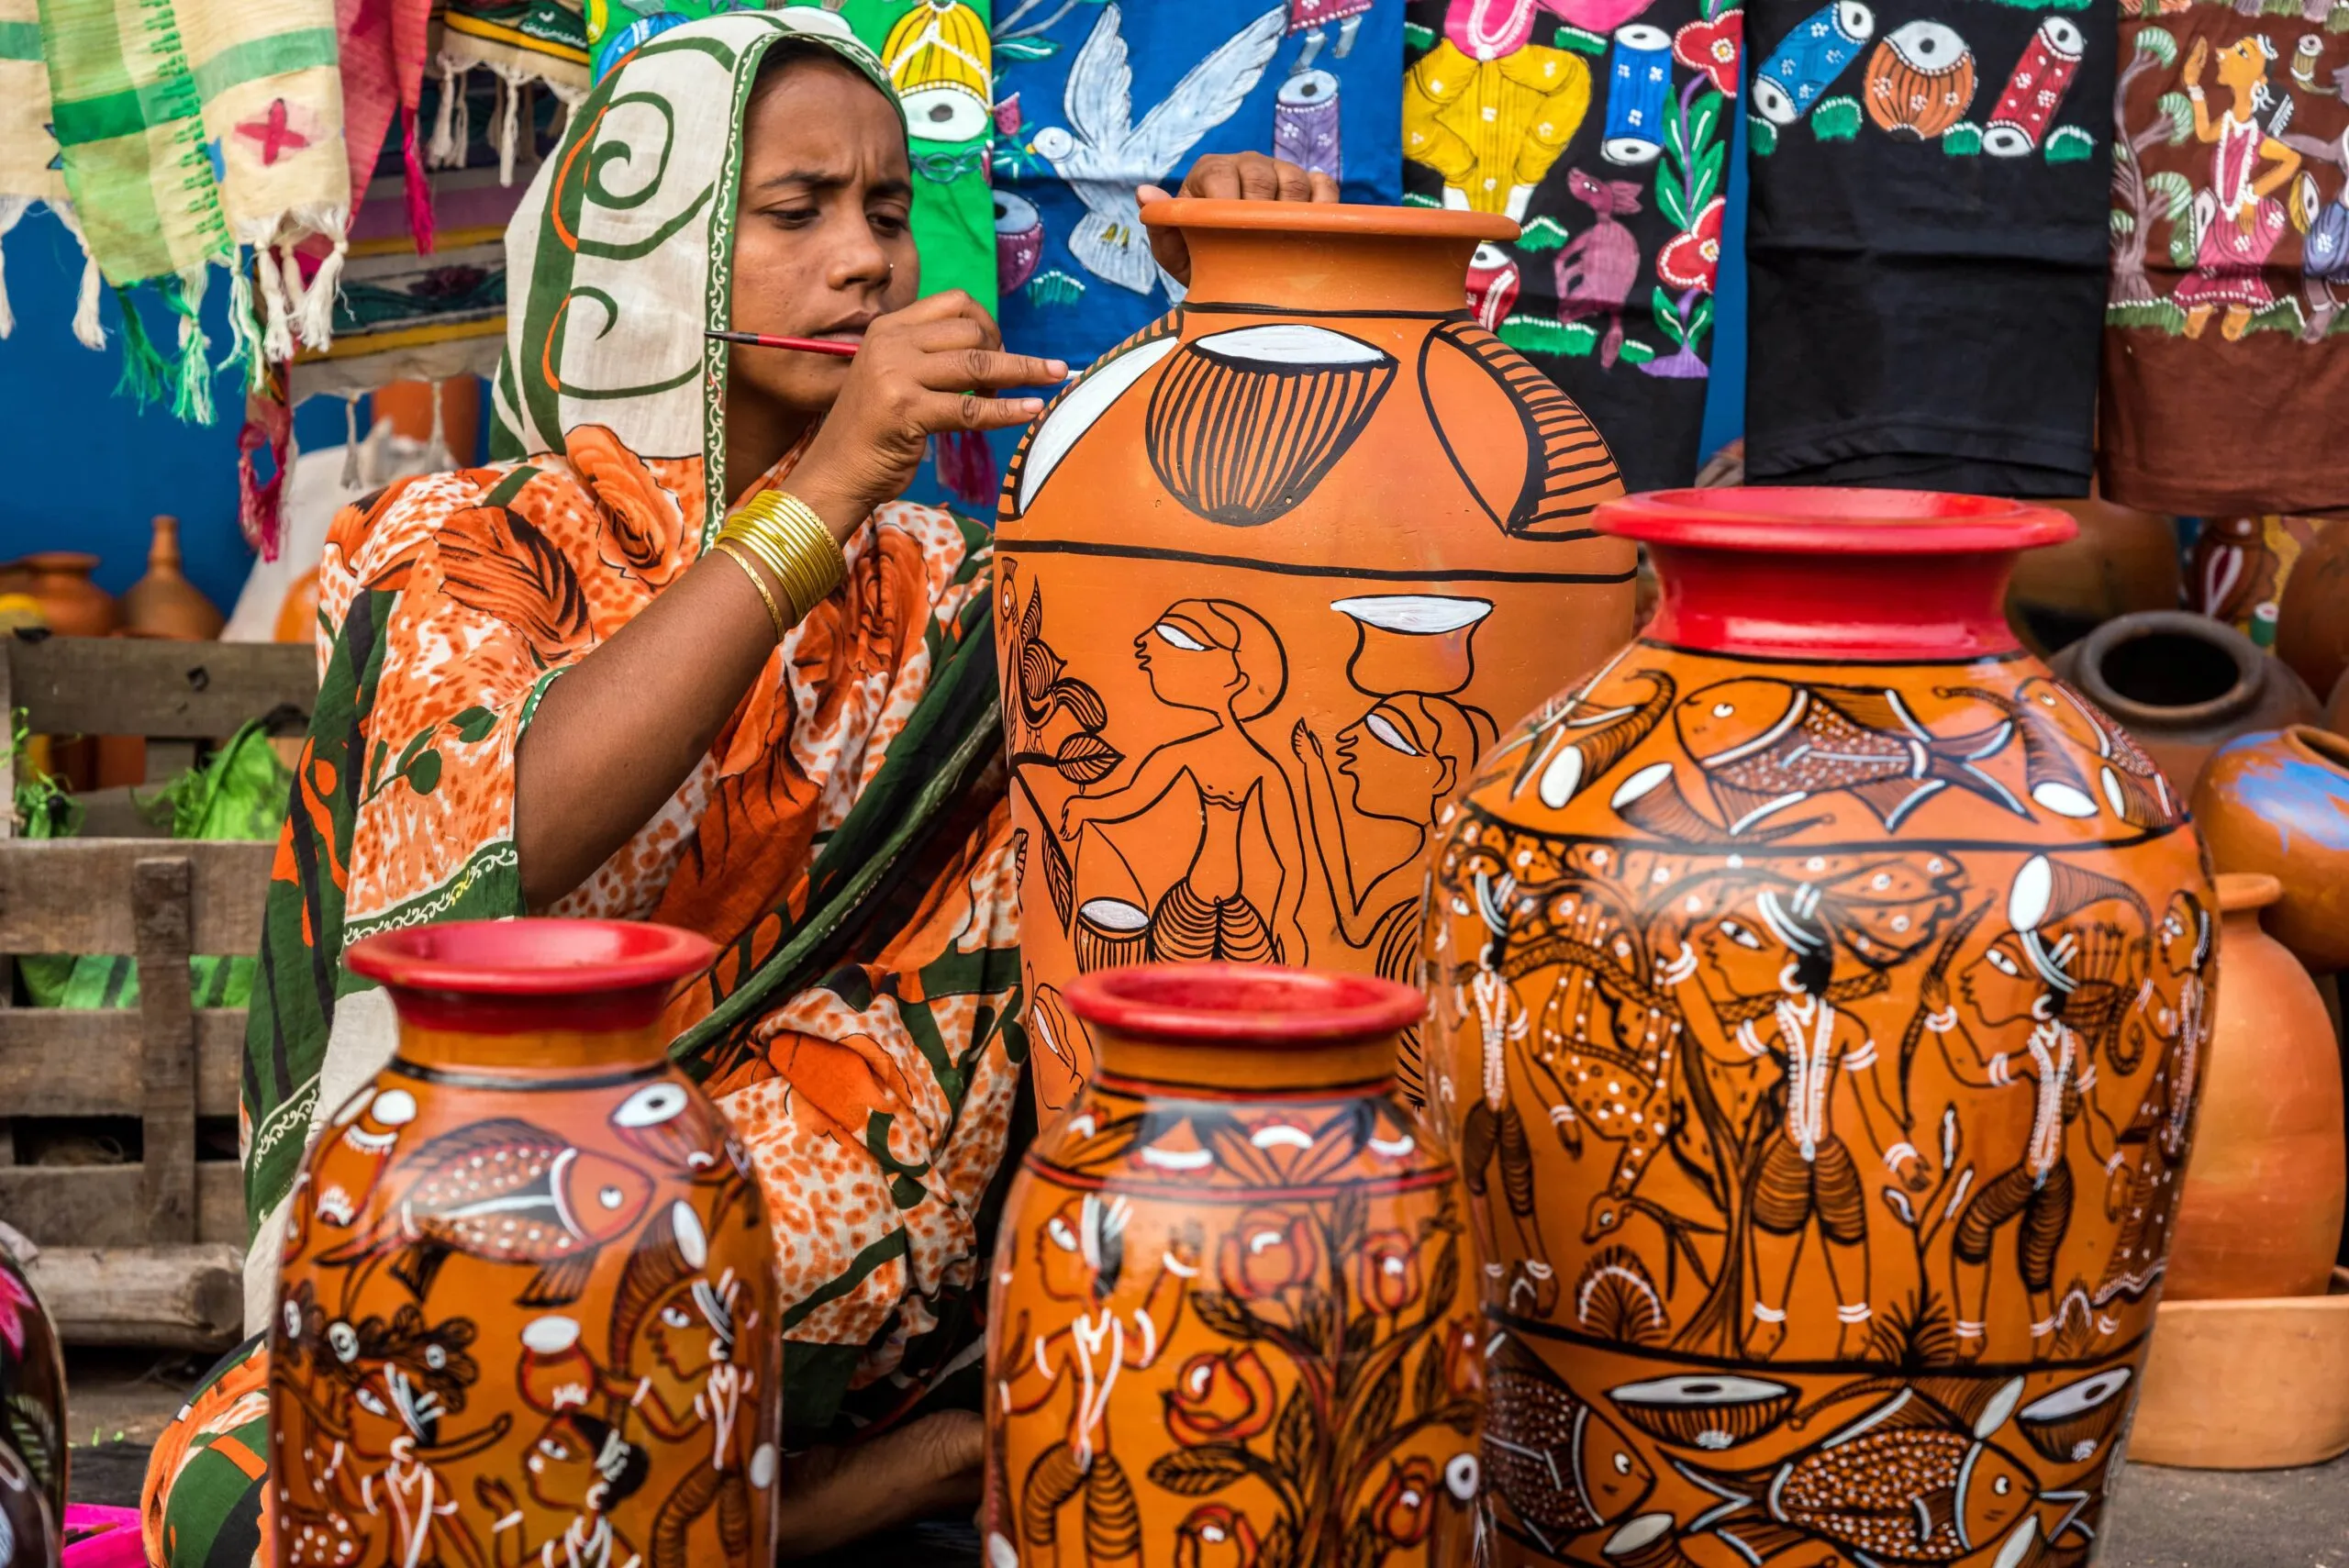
1542	234
1670	199
1705	179
1635	352
423	775
2178	110
2123	223
473	725
1963	139
1667	314
1761	136
2159	43
2070	144
1700	319
1836	118
1704	118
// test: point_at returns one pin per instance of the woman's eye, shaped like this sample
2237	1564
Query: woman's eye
1741	935
674	1317
2002	963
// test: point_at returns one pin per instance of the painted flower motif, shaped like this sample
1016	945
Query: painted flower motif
1713	46
1463	1357
16	1304
1404	1511
644	532
1268	1251
1693	259
1214	1536
1387	1270
1222	1398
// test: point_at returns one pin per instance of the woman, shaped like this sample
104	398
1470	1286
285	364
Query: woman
549	686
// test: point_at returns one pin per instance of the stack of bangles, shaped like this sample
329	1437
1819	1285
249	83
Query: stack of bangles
784	534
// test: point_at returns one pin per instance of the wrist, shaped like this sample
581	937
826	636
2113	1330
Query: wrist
842	505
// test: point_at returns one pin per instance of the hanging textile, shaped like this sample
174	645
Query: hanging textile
31	174
1092	100
190	130
2226	350
383	47
1602	126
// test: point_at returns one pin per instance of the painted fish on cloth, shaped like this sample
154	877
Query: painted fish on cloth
1766	744
1562	1467
505	1192
1909	1482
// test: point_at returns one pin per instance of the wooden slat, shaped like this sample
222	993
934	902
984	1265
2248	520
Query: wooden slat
184	691
68	894
98	1205
59	1062
179	1297
160	889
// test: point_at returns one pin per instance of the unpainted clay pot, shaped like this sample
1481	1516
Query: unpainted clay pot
297	613
2262	1210
2183	686
1272	573
2122	561
71	605
2313	617
2278	804
1772	967
1231	1319
164	603
526	1273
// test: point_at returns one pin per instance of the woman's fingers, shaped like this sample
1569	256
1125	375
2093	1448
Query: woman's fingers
941	411
960	369
1325	188
1250	177
831	1496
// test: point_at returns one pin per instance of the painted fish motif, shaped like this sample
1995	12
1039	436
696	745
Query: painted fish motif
1562	1467
504	1192
1905	1482
1766	744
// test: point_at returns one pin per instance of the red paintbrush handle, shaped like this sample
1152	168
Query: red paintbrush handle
805	345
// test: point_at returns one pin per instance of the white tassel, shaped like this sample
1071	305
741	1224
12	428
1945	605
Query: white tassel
277	304
351	479
509	124
87	329
370	455
447	149
325	284
244	323
437	458
11	212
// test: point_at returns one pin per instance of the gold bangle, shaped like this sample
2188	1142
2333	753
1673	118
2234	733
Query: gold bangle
775	613
786	533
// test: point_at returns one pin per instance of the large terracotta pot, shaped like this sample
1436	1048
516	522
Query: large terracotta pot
34	1458
71	605
2122	561
2261	1214
1272	573
2278	804
1795	975
2312	616
2336	711
164	603
2184	686
1227	1323
526	1279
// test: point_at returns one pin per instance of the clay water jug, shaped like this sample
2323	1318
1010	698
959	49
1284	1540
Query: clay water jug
2184	686
2261	1214
1272	575
2312	616
164	603
1796	973
528	1286
1230	1320
2278	804
71	605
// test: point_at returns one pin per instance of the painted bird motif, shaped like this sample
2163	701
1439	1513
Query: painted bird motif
1562	1467
1905	1482
1766	744
504	1192
1103	155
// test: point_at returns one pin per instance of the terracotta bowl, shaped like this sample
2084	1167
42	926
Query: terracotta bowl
2260	1384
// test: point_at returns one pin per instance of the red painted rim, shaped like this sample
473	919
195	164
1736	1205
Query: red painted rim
1341	219
531	957
1252	1003
1787	519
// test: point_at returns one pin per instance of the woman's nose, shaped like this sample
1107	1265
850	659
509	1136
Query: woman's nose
861	260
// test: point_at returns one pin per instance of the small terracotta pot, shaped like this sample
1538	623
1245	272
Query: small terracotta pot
2182	686
2260	1212
2278	804
2121	561
2313	617
2247	1385
71	605
33	1453
164	603
1232	1310
2336	712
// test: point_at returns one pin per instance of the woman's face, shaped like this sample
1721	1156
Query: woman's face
822	243
1742	952
2000	983
1397	771
1185	668
561	1467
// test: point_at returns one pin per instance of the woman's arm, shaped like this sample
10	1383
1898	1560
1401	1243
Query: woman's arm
623	728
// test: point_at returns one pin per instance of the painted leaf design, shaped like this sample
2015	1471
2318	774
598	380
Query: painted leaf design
1085	758
1386	1397
1293	1442
1058	880
1084	704
475	724
1427	1390
1217	1311
496	561
1197	1471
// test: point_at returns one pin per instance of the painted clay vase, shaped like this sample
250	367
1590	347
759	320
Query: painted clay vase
2312	615
34	1458
1272	573
2241	569
71	605
2261	1214
1228	1323
1805	983
164	603
2278	804
2122	561
2184	685
527	1308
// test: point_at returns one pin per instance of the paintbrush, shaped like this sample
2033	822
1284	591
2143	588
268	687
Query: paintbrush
805	345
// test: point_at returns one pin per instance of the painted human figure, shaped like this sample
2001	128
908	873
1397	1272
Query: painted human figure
2173	1011
1313	19
2237	219
1766	959
395	1427
2053	969
1215	657
1080	1256
577	1471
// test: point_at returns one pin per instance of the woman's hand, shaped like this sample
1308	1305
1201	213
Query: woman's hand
834	1496
921	371
1233	176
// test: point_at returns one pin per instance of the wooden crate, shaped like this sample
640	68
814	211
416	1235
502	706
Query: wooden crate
149	1252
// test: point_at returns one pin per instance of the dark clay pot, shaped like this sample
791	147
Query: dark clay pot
2183	684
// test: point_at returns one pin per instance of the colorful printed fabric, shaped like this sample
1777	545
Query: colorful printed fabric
1093	101
1603	127
31	171
521	40
383	46
202	1502
2230	227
